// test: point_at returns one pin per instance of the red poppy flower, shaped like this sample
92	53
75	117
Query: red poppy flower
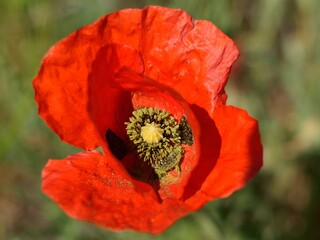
148	87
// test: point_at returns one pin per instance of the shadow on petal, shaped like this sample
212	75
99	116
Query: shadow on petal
240	156
110	105
210	142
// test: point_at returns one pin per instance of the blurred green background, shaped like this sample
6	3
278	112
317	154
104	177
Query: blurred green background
277	79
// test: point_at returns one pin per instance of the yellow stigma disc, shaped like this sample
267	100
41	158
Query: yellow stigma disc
151	133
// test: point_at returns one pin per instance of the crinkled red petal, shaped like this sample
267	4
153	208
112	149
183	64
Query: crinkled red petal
88	189
232	158
192	57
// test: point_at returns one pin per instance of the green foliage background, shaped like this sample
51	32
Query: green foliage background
277	79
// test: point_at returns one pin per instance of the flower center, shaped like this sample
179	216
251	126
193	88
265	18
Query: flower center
156	136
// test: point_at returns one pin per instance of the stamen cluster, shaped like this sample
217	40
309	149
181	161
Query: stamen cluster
156	136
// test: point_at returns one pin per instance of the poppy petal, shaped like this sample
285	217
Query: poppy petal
234	163
61	89
197	54
197	65
110	104
88	189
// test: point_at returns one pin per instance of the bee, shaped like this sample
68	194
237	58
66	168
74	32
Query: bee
169	162
186	134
